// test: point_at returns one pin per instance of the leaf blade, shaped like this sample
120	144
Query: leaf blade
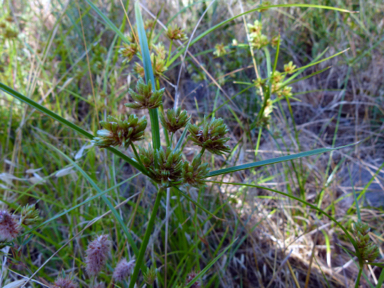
273	160
65	122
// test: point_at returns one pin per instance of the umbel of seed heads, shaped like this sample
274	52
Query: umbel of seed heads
145	98
210	136
368	250
120	132
174	120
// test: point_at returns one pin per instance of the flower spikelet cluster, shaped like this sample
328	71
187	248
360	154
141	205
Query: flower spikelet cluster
368	250
97	253
159	64
30	215
195	173
9	228
289	68
190	277
160	50
150	275
219	50
174	120
128	51
211	135
175	32
164	166
257	39
64	283
120	132
123	269
145	98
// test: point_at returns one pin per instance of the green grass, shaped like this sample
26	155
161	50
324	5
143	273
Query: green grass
230	235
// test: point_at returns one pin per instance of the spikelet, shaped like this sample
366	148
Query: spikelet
64	283
145	98
368	250
9	228
120	132
190	277
210	136
97	253
195	173
174	120
123	269
164	166
175	32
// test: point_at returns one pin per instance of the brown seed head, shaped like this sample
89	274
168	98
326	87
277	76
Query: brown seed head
97	253
123	270
9	228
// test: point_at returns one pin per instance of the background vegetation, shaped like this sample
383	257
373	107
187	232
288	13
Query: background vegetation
65	56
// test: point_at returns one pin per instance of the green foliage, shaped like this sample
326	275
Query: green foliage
84	83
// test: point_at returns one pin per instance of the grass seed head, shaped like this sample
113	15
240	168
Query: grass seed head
145	98
190	277
175	32
219	50
139	70
368	250
150	275
97	253
255	28
195	173
64	283
123	269
211	136
158	64
128	51
30	215
9	228
289	68
160	50
120	132
174	120
164	166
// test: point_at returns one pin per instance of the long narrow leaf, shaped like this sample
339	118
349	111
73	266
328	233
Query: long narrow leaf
105	199
107	21
80	204
153	113
197	204
180	142
273	161
67	123
202	272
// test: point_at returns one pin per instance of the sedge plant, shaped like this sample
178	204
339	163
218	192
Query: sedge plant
165	166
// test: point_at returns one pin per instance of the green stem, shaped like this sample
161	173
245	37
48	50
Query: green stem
144	244
172	137
359	276
169	53
202	152
136	154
